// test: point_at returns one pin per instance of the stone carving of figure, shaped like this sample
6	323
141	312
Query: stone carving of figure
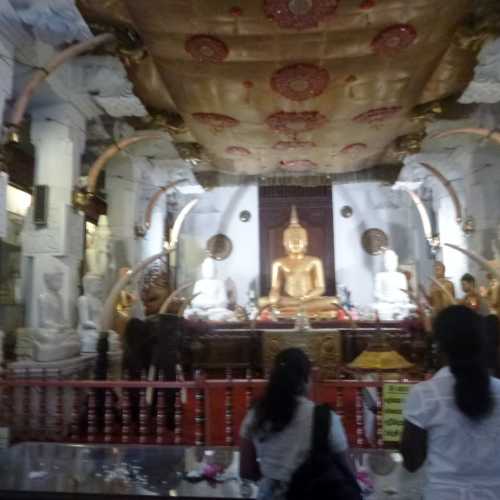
298	280
53	340
441	297
391	287
89	311
210	299
98	255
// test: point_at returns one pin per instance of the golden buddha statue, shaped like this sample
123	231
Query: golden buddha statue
442	291
298	280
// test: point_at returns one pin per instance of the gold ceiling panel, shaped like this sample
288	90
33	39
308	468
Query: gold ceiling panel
300	86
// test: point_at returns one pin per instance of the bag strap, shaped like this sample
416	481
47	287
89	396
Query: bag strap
321	428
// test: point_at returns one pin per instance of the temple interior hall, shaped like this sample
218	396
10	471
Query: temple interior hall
190	187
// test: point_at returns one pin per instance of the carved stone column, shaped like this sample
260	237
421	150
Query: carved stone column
58	134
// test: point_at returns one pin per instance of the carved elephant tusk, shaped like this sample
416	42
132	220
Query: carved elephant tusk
449	188
101	162
108	310
476	258
41	74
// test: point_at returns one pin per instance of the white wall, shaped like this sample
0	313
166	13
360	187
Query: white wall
218	212
374	206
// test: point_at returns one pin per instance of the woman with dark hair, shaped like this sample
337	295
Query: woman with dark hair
276	433
452	421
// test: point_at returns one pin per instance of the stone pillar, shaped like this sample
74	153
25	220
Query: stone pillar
6	79
58	134
122	196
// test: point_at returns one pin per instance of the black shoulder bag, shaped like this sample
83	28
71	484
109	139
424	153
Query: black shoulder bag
323	476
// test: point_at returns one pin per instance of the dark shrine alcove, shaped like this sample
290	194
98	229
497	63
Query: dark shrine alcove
314	207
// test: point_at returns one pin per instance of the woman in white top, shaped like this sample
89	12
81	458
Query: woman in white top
452	421
276	433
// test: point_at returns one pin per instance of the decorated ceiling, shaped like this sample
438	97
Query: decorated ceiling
292	87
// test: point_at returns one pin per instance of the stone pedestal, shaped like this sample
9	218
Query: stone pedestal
79	367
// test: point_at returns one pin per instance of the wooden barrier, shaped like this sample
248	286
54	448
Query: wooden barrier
197	412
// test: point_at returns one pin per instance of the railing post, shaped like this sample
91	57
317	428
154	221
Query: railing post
59	409
249	389
143	411
229	440
161	416
108	415
91	416
25	408
125	414
199	418
360	441
178	409
42	409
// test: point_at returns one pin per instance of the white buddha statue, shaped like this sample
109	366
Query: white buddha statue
89	310
392	301
209	296
54	339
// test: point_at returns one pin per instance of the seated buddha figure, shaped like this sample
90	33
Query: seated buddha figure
298	281
54	339
391	290
210	299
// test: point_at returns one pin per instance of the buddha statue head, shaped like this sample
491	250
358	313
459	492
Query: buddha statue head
208	269
54	280
391	261
295	236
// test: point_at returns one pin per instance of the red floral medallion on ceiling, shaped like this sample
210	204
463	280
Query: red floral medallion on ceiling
206	48
355	148
216	121
238	151
378	114
299	14
295	122
291	145
394	38
300	81
297	165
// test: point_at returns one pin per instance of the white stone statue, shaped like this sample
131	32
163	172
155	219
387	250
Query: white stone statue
210	297
53	339
98	255
89	311
392	301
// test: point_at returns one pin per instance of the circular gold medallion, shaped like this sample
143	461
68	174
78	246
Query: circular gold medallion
219	247
374	241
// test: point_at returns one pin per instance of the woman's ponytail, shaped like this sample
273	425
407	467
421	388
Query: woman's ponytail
461	339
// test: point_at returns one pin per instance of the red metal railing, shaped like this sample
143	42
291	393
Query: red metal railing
199	412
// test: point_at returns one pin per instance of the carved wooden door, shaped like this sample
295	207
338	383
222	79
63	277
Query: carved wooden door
314	207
